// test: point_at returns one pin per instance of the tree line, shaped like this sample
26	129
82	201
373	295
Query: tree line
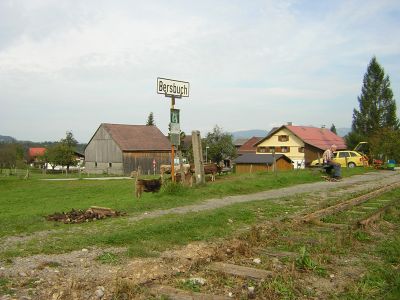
14	154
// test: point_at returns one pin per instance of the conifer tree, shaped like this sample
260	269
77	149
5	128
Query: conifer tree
150	119
377	105
333	129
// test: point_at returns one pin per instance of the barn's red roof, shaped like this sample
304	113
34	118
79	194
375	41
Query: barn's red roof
34	152
321	138
138	137
249	145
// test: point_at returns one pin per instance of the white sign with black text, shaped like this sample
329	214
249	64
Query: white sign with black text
170	87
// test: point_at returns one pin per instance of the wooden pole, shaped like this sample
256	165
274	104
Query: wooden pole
172	147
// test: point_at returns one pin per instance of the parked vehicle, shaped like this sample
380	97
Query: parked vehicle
346	158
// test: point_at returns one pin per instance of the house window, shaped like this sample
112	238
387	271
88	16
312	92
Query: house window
283	138
261	149
301	149
95	164
285	149
109	165
271	149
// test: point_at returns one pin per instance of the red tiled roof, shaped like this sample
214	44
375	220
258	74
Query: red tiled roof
34	152
321	138
138	137
249	145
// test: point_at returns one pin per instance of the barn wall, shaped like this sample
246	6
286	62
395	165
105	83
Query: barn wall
251	168
132	160
104	168
281	165
312	153
103	149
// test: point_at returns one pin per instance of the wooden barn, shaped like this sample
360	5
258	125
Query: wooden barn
251	162
120	149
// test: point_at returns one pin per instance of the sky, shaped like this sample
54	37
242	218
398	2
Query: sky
70	65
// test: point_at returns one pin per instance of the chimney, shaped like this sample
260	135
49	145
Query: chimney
289	123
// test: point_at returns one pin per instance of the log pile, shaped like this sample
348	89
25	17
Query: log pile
79	216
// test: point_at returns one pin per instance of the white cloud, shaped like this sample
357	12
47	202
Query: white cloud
97	61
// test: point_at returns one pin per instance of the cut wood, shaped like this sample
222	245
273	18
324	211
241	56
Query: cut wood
80	216
102	211
177	294
240	271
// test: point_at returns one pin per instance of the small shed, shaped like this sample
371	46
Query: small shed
121	149
250	162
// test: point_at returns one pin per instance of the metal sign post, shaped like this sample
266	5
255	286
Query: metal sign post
172	145
173	89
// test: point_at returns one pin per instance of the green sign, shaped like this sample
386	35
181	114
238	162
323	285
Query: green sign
175	116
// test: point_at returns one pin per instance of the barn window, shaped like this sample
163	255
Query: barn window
301	149
283	138
95	164
261	149
109	165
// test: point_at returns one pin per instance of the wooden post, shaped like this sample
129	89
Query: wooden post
198	157
172	147
182	172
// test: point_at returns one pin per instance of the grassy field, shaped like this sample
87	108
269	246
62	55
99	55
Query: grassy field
25	203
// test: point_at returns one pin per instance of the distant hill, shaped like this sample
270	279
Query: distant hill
342	131
245	134
6	139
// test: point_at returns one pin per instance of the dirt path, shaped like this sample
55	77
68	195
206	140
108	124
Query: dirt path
365	182
78	275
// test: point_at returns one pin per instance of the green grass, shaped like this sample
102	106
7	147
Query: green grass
24	203
149	237
382	280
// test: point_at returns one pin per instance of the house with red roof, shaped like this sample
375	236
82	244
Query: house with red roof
121	149
35	154
302	144
249	146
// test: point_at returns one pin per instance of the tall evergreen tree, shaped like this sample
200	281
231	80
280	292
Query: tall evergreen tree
150	119
333	129
377	105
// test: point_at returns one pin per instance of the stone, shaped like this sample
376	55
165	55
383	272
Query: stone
99	292
197	280
257	261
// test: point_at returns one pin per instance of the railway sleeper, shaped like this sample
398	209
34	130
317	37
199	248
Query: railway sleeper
178	294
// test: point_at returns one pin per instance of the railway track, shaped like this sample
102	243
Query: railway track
360	211
251	266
